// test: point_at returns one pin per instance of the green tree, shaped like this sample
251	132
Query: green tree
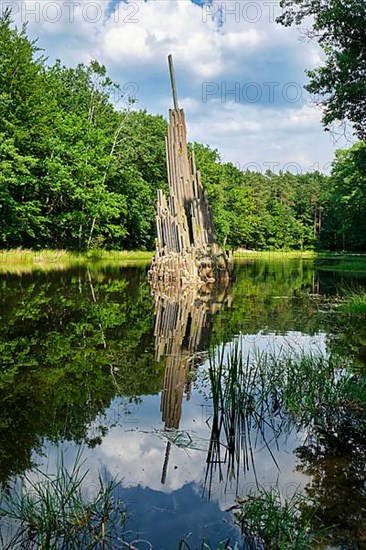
81	206
340	83
261	211
345	226
75	172
23	127
78	173
138	171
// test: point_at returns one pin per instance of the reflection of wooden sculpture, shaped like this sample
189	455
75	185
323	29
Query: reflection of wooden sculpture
183	325
186	252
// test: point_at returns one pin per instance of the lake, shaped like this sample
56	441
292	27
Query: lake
94	361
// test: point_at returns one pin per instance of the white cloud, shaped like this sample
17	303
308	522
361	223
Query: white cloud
135	39
248	134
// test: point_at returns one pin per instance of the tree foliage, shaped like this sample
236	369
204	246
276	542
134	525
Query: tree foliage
74	171
262	211
340	83
346	205
78	172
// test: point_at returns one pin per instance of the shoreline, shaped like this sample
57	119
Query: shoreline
27	260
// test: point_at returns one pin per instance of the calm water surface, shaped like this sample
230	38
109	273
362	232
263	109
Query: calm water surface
92	359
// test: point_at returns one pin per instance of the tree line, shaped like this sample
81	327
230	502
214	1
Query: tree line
79	172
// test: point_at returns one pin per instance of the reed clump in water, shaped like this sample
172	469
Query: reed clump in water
354	303
268	521
53	511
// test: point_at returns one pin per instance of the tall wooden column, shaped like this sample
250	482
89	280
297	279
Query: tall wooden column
186	252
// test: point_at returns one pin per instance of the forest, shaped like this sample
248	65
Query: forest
79	172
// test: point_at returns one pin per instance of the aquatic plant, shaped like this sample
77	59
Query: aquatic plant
53	511
269	521
207	545
241	412
355	302
256	396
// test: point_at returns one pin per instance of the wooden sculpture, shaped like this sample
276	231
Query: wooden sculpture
186	251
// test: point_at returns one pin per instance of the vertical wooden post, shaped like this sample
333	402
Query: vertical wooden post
172	82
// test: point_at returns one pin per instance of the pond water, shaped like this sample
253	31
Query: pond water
91	359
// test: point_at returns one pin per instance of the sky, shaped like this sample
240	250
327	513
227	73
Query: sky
239	74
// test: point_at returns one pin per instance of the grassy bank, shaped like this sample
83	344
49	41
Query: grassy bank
323	260
24	260
242	254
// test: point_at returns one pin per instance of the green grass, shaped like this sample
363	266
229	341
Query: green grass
340	261
268	521
259	396
354	303
23	260
250	391
274	254
241	408
53	512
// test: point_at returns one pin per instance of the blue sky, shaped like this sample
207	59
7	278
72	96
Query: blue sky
239	74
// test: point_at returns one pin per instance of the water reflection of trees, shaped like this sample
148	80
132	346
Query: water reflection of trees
348	337
334	456
59	346
62	334
267	297
243	417
271	296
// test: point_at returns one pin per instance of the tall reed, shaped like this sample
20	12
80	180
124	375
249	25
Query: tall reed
52	512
